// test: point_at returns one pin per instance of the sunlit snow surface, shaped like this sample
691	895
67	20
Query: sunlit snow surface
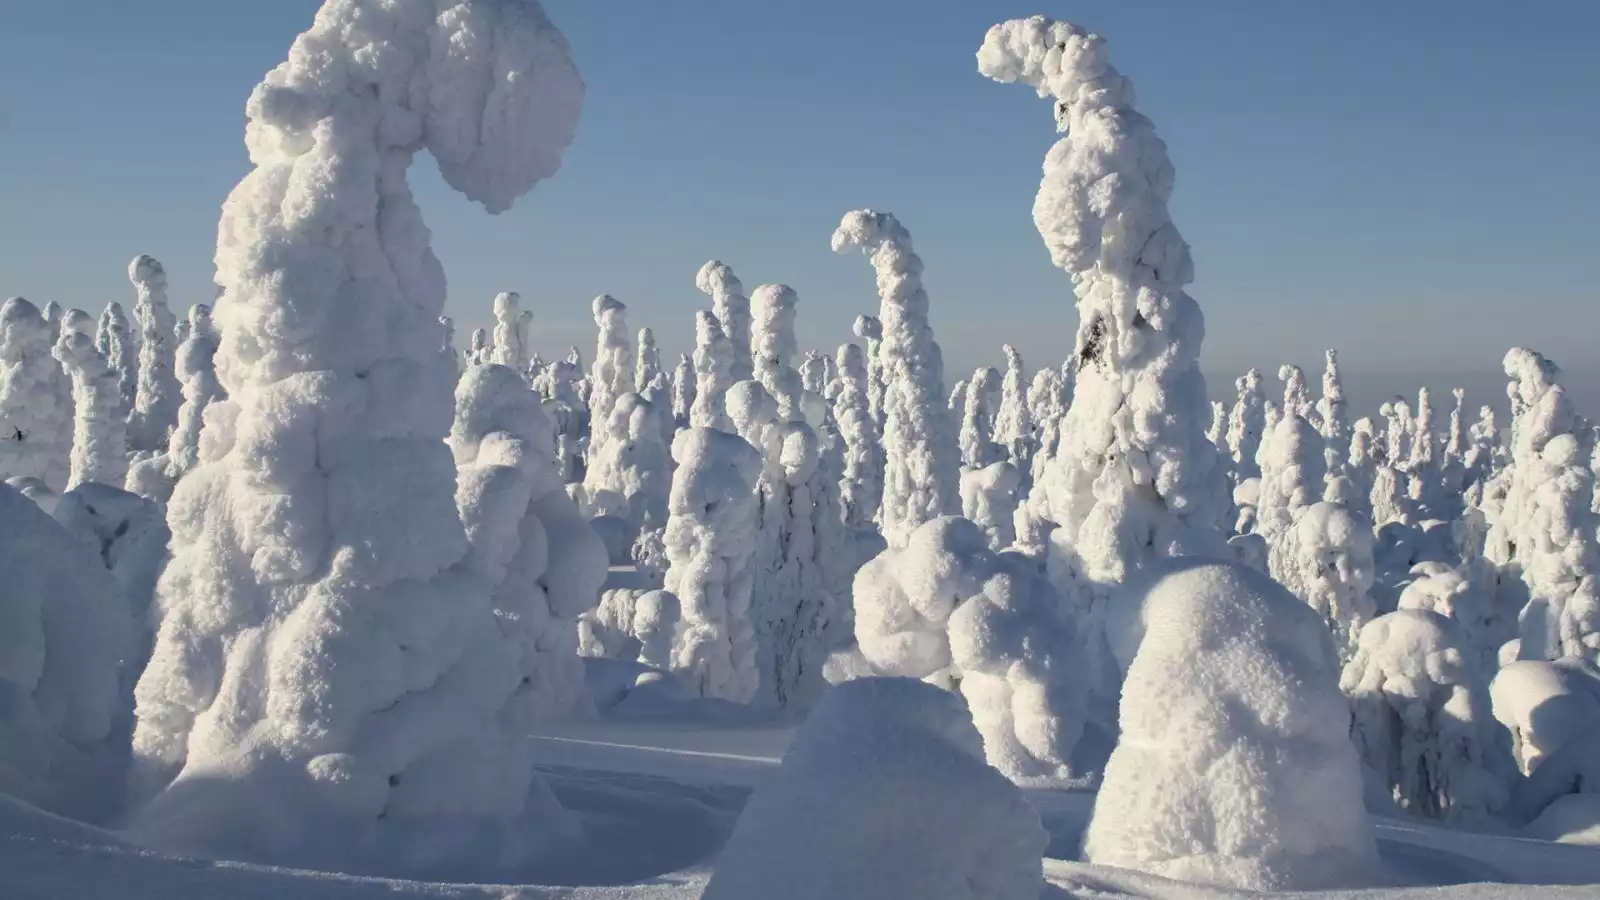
659	791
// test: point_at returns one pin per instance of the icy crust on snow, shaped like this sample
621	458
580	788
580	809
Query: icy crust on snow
64	634
884	795
331	683
921	476
1235	765
1135	478
948	609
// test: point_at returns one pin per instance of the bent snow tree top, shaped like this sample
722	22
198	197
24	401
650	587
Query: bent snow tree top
1135	478
330	686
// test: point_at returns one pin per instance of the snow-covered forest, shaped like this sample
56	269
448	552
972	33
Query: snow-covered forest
305	579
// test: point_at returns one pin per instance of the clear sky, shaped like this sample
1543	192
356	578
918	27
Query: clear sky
1414	183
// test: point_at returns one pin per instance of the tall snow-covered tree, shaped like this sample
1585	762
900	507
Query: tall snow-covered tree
1296	394
1135	478
922	474
612	374
684	390
155	410
1247	423
99	434
630	477
479	348
861	481
732	308
978	448
1333	415
331	683
869	329
1013	420
36	410
52	313
713	368
155	477
117	342
648	364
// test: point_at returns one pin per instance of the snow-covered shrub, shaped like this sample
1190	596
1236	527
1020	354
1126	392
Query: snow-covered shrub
732	309
116	341
332	684
922	471
1235	765
947	609
99	433
64	632
884	795
990	497
155	410
1134	479
154	477
1422	717
710	540
36	409
509	343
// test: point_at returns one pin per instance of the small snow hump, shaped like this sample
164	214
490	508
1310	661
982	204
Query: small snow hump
884	795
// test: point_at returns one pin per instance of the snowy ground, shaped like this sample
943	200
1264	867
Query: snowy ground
660	797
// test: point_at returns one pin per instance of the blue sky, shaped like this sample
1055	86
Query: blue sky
1414	183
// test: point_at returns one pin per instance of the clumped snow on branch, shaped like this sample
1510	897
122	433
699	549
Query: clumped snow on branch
921	477
332	684
1235	765
155	410
884	795
36	410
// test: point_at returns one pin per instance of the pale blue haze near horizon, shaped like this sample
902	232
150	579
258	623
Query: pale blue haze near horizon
1414	183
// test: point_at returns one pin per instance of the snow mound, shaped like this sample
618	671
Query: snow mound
1235	766
884	795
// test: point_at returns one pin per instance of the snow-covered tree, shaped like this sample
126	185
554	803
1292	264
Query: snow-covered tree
331	683
1422	717
1247	424
36	409
861	478
479	348
1048	399
1296	394
612	375
922	472
52	313
509	343
155	410
1326	559
957	401
117	342
978	447
526	538
1545	531
1235	765
814	373
883	795
561	387
99	434
990	497
1333	416
684	391
713	368
947	609
710	541
155	476
869	329
1013	420
1292	477
732	309
648	365
64	632
1548	706
1135	478
630	477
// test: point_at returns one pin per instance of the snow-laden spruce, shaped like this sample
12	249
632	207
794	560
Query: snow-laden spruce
1422	717
155	477
527	538
1326	559
36	409
922	472
119	344
1544	531
1247	424
99	433
684	391
978	447
1013	419
478	348
331	684
884	795
947	609
64	631
630	477
1333	416
1293	477
870	330
713	369
861	477
732	309
509	343
155	410
990	497
710	542
1135	478
612	374
1235	766
648	364
562	389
